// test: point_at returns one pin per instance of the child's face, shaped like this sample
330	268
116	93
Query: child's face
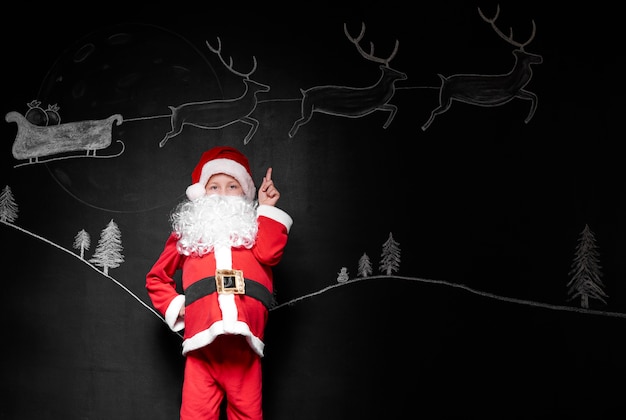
222	184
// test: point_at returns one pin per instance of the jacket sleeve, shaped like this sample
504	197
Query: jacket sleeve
274	226
161	285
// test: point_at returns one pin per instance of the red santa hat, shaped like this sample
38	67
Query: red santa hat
221	160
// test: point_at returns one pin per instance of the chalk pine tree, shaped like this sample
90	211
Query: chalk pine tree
108	253
365	266
390	258
586	271
8	206
82	242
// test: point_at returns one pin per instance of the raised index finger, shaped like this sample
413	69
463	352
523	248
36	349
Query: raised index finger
268	174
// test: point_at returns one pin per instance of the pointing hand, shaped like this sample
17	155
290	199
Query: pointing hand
268	194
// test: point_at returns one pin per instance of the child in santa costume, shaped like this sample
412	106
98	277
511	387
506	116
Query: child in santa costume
226	243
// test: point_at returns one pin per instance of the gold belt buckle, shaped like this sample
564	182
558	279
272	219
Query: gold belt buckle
230	281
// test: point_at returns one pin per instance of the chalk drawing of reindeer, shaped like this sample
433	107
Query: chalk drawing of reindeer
353	102
491	90
219	113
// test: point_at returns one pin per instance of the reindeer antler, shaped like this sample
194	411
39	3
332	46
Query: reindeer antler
369	56
508	39
229	66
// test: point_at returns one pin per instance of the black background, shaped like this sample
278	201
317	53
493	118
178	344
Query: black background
479	200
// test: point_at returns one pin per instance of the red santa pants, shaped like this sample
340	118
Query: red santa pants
226	367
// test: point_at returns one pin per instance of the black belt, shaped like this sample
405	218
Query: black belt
207	285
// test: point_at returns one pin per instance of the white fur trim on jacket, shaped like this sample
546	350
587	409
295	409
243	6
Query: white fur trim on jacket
276	214
172	319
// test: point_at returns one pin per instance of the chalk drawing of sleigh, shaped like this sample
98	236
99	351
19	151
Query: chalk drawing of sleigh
33	142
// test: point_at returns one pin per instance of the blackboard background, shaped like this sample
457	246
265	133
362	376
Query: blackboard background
480	199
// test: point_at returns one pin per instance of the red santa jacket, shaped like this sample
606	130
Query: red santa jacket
212	314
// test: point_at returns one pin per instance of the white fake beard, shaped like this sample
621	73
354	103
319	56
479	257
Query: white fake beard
212	221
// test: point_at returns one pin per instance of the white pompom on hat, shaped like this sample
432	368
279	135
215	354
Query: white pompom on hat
221	160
